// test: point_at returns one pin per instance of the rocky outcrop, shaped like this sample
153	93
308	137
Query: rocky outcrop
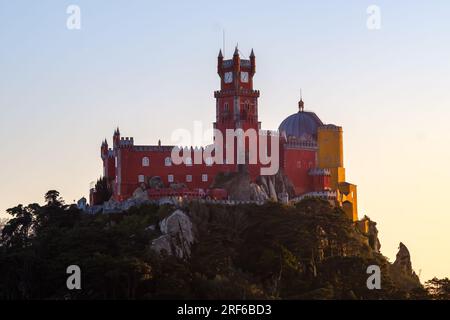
177	235
370	230
276	185
403	260
257	193
374	242
240	187
140	194
237	184
402	271
155	182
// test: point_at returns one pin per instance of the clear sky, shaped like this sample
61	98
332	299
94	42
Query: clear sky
150	67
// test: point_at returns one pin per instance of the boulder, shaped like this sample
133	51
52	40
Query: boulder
140	194
162	244
155	182
257	193
177	235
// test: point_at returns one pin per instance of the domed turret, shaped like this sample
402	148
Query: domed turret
301	125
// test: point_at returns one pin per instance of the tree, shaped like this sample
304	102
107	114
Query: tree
438	289
53	199
103	190
18	229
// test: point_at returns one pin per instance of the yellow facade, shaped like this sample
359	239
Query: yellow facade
331	152
347	196
331	156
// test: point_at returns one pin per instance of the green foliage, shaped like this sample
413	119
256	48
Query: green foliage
438	289
103	190
310	251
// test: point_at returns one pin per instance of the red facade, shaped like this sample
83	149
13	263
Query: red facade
129	166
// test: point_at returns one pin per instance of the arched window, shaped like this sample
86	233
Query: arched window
188	161
209	161
145	161
225	107
167	161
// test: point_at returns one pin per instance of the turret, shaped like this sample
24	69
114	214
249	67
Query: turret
219	63
236	61
116	138
252	63
104	149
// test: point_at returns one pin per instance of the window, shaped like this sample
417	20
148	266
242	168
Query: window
170	178
116	161
299	164
225	107
141	178
145	161
189	178
188	161
209	161
204	177
168	162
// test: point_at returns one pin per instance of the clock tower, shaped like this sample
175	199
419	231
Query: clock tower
236	101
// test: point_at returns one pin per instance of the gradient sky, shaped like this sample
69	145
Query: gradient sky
150	67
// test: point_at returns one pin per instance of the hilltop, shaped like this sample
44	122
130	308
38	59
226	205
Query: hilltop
197	251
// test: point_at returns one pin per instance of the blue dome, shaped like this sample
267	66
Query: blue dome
300	125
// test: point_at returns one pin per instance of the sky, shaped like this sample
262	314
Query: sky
150	68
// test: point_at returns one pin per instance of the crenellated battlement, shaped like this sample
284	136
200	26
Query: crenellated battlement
126	142
319	172
308	144
239	92
156	148
330	127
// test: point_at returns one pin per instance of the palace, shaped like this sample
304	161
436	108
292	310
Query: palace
310	153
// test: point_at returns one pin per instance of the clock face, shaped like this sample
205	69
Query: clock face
244	76
228	77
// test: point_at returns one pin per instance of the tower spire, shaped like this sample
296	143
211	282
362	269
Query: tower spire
301	104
